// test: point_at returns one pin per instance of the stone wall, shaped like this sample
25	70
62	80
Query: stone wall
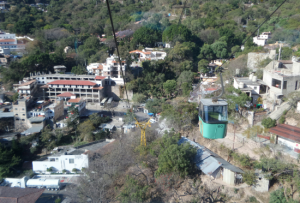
117	92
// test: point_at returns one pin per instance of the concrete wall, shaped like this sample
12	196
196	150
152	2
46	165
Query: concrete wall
255	58
115	92
58	110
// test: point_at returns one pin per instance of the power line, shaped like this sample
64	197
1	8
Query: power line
261	24
120	62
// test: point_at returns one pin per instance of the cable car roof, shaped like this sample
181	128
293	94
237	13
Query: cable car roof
208	102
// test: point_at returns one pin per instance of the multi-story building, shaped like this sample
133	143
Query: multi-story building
78	103
26	87
2	4
9	41
262	39
283	77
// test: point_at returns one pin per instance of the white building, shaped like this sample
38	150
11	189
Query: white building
75	159
262	39
9	41
252	86
26	87
149	54
2	4
91	68
78	103
283	77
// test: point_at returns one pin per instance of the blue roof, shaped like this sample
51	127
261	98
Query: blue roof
207	161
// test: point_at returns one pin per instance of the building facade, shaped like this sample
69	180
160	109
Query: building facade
58	163
262	39
283	77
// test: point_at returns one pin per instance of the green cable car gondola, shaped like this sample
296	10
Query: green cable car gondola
213	117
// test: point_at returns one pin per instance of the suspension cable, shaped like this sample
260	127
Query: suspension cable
114	34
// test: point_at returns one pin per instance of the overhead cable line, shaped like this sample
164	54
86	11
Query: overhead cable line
261	25
115	38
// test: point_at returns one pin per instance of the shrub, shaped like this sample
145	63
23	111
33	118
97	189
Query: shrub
64	171
282	119
249	177
133	191
268	122
58	200
74	170
236	190
252	199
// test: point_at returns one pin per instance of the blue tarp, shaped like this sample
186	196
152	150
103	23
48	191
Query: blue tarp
150	114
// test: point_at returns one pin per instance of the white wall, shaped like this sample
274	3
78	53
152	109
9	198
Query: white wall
61	163
228	176
286	143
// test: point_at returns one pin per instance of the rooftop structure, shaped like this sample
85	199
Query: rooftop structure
252	86
213	165
60	69
19	195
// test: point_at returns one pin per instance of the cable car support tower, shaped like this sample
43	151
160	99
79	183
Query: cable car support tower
143	126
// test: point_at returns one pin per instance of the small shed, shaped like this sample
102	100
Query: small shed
262	184
213	165
287	136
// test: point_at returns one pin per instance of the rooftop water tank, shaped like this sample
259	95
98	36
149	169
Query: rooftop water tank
241	85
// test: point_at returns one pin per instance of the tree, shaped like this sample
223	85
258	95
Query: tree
202	66
235	97
278	197
23	27
86	129
185	77
155	105
220	49
268	122
8	160
175	158
186	88
183	51
176	32
206	52
170	87
249	177
133	191
129	117
146	36
138	98
48	139
97	120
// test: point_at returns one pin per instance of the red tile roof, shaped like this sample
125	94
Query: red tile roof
7	40
19	195
66	94
99	77
286	131
71	82
97	88
77	100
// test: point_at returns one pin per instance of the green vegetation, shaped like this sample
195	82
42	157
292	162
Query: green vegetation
268	122
133	191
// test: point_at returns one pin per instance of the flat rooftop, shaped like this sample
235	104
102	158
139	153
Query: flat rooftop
247	81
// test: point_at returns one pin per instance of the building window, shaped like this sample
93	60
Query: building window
255	88
16	108
23	114
276	83
23	119
16	114
71	161
284	84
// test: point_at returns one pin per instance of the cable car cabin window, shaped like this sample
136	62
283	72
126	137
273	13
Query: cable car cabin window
213	114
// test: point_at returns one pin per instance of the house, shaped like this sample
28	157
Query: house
252	86
262	39
92	67
287	136
213	165
63	161
2	5
68	158
26	87
282	77
9	41
148	54
19	195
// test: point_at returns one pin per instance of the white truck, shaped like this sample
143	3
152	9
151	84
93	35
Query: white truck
50	184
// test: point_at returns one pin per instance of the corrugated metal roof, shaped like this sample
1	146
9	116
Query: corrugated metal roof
287	131
6	114
36	119
208	161
34	129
